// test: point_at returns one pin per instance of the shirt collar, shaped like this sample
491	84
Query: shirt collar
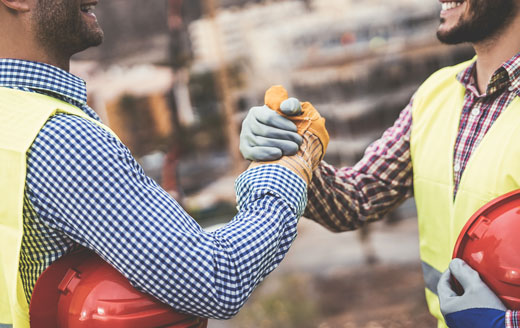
465	77
15	73
506	75
512	67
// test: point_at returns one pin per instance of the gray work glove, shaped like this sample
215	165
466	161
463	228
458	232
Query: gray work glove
267	136
477	301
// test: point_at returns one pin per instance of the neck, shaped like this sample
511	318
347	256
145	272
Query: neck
35	56
18	43
492	53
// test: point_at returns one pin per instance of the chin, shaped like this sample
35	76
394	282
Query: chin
86	43
98	39
92	38
451	35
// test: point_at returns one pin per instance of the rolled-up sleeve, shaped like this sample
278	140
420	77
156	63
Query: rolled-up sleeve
345	198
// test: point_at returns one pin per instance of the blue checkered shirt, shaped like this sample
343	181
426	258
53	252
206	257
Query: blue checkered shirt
84	188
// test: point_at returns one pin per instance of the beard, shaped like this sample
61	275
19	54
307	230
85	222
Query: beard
60	27
487	18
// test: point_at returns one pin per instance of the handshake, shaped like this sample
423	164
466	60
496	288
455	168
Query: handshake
284	132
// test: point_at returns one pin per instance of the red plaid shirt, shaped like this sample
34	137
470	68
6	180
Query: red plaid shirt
346	198
512	319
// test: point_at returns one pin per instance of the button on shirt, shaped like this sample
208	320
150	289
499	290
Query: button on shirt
84	188
348	197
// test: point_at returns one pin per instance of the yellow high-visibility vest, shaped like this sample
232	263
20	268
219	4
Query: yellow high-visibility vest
22	116
492	170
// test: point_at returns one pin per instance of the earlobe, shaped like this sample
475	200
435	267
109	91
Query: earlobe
16	5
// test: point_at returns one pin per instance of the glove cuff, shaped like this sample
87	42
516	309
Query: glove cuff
476	318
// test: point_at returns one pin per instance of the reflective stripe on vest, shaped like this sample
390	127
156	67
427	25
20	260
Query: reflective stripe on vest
431	277
492	170
22	115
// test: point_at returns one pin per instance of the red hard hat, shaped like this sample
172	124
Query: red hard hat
81	290
490	244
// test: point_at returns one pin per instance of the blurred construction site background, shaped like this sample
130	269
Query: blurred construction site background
175	79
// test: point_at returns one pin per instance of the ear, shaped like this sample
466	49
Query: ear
17	5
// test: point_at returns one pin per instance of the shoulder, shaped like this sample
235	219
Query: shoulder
447	73
70	137
442	82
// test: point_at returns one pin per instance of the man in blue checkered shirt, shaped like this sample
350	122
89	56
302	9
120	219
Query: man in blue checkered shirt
83	188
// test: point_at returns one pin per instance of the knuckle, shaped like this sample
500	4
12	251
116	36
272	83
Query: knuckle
245	122
255	127
271	119
294	148
244	150
251	140
257	111
273	153
261	130
244	131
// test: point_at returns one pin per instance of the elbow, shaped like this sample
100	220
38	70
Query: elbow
226	316
226	307
225	311
210	310
337	227
341	229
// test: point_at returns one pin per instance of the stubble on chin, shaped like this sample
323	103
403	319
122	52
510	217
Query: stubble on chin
60	28
478	24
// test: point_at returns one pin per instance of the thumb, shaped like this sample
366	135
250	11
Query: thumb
291	107
444	288
464	274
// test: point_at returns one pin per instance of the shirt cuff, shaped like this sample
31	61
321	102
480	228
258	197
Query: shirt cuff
512	319
272	179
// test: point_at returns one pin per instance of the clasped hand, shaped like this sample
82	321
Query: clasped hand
284	132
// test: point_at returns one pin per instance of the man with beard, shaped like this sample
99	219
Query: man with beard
67	182
454	148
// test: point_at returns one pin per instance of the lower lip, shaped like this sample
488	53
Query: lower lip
90	15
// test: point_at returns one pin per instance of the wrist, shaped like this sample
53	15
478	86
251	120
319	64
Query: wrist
476	318
295	163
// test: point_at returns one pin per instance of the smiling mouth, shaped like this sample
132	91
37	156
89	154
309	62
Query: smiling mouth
88	8
451	5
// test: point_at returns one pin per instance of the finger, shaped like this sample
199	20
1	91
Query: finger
261	130
291	107
287	147
465	275
267	116
264	154
444	288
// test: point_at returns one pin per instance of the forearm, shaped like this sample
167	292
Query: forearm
270	199
342	200
213	274
209	274
345	198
